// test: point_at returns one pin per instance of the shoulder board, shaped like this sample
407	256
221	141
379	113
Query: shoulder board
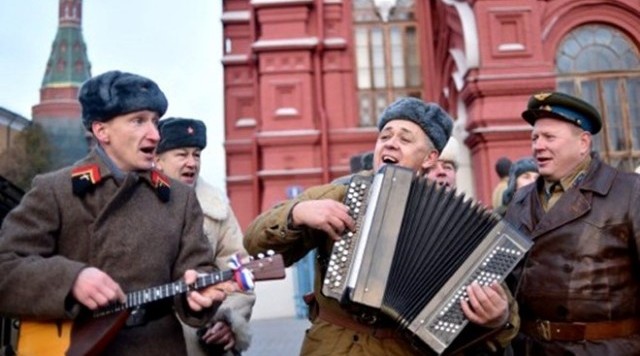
84	178
161	184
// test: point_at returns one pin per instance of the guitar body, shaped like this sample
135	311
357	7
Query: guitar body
87	336
44	338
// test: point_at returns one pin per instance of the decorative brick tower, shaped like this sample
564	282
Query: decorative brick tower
68	67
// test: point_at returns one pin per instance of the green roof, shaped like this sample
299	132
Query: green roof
68	63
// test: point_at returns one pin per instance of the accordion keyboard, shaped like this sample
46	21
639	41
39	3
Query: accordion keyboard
341	259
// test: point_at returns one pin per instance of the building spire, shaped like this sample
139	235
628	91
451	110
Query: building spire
68	64
58	111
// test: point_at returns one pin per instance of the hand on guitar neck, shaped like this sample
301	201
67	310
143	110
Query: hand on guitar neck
95	289
110	312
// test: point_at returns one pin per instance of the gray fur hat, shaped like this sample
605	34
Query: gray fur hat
114	93
177	132
518	168
434	121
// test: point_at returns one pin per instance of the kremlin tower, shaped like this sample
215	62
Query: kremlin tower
59	112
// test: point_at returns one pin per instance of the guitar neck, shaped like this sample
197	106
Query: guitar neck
153	294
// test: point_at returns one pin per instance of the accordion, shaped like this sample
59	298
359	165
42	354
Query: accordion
415	249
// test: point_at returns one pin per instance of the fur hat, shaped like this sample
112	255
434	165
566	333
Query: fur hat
115	93
451	152
177	132
518	168
434	121
554	105
503	165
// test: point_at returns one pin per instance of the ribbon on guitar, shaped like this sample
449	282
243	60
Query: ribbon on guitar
242	276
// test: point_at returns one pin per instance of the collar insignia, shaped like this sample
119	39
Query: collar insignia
161	183
84	178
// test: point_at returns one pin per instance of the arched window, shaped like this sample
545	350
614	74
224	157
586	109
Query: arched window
386	56
601	65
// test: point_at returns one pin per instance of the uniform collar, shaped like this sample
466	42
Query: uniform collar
98	167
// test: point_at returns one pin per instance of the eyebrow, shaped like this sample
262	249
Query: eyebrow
401	129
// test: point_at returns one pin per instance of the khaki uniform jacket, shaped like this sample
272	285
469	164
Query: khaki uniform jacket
584	265
270	231
124	229
225	237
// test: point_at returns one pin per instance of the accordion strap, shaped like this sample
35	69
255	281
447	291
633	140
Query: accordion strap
350	322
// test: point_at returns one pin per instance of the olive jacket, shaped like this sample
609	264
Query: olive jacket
584	265
271	231
143	231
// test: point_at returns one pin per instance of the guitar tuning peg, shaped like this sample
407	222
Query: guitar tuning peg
271	253
261	255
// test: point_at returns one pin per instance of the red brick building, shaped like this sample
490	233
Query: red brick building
306	79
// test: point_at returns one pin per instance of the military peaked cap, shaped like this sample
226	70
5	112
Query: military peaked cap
555	105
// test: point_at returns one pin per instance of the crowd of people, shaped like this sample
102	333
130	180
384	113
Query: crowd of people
134	213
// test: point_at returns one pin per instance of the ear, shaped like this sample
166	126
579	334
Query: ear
158	162
429	160
100	131
585	143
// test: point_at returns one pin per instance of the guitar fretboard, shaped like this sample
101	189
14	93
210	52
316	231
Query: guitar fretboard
149	295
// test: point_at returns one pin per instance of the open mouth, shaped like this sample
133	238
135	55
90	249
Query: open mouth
389	160
542	160
189	175
147	150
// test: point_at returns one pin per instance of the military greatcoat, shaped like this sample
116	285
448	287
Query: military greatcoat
143	231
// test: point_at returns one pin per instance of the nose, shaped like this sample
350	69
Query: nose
191	161
153	134
391	143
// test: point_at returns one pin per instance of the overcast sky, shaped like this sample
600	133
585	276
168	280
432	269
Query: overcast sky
178	44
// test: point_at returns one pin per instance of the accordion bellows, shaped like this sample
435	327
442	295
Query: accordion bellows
416	248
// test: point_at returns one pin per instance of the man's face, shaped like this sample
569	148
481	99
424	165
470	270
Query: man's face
558	147
403	142
130	139
444	173
525	179
180	163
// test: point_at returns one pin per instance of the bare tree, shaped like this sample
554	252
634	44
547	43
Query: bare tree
29	155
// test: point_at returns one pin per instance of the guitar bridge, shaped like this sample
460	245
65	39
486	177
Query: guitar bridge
137	317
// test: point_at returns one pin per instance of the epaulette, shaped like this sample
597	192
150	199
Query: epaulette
161	184
84	178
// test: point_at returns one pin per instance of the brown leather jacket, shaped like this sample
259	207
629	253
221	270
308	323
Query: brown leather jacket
584	264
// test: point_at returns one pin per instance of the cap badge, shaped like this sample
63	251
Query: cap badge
542	96
190	130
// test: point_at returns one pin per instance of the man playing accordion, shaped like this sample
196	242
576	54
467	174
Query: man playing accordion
412	134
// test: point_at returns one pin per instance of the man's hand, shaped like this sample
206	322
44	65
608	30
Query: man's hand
487	306
94	289
220	333
327	215
206	297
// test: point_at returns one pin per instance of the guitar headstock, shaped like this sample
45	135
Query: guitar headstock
266	268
